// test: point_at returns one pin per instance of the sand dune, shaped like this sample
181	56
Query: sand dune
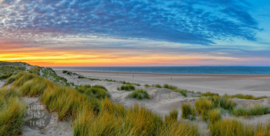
162	101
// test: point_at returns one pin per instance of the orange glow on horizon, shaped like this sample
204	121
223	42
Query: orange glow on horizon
100	57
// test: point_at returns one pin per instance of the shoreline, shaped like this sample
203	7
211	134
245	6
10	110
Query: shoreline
256	85
178	74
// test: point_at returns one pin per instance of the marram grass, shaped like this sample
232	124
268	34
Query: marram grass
139	94
232	127
214	115
92	116
11	112
253	110
188	111
128	87
95	116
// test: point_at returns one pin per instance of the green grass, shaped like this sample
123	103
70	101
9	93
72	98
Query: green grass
5	76
11	113
139	94
182	91
98	93
94	116
157	85
253	110
202	106
127	87
147	86
67	72
188	112
34	70
232	127
207	94
169	87
214	115
8	71
82	88
93	113
223	102
128	83
50	74
101	87
248	97
172	116
227	128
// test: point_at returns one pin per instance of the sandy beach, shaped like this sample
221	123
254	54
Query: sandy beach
257	85
163	100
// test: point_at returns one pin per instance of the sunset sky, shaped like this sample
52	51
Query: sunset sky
135	32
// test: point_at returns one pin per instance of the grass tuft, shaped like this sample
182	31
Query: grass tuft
253	110
11	113
214	115
187	111
202	106
182	91
139	94
127	87
248	97
172	116
207	94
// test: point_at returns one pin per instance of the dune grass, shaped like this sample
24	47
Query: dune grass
50	74
94	116
232	127
169	87
5	76
214	115
188	112
100	87
128	87
172	116
11	113
223	102
182	91
147	86
157	85
8	71
227	128
34	70
128	83
67	72
96	91
11	69
253	110
207	94
139	94
248	97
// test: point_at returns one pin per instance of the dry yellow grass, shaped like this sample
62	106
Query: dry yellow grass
11	112
232	127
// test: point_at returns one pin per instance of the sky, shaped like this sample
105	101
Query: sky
135	32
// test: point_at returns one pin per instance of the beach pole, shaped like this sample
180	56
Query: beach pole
133	76
171	78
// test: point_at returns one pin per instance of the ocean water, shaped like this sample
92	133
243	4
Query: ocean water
181	70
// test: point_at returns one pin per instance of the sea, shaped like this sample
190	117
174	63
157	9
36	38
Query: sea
241	70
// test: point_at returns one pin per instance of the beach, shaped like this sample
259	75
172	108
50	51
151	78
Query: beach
163	100
257	85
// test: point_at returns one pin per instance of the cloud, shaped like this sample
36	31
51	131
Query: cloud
185	21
